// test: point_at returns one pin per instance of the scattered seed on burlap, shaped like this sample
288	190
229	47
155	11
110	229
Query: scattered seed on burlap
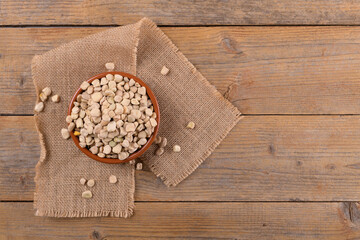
112	179
55	98
83	181
110	66
160	151
190	125
39	107
139	166
157	140
163	142
91	182
176	148
87	194
164	70
47	91
65	133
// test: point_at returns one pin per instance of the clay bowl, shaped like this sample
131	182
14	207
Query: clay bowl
139	152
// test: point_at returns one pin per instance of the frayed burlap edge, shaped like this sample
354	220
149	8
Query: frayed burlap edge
215	92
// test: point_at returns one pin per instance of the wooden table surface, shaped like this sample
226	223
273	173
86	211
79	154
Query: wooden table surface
289	170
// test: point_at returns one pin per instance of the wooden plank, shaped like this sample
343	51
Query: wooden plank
192	221
264	158
263	70
212	12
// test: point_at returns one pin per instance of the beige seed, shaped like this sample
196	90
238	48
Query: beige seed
82	181
160	151
139	166
164	70
74	116
118	78
112	179
96	83
112	144
153	122
84	85
142	90
163	142
71	127
134	101
142	141
125	143
117	148
109	77
95	112
79	123
157	140
103	81
90	183
101	155
176	148
87	194
94	150
131	82
39	107
190	125
110	66
43	97
133	90
142	134
55	98
68	119
125	102
126	86
65	133
47	91
130	127
111	126
90	90
75	110
148	112
123	155
107	149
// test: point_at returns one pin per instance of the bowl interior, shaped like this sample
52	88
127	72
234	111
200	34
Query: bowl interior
139	152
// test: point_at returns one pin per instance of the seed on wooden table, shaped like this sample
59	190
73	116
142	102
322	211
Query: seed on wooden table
39	107
160	151
55	98
87	194
65	133
163	142
110	66
84	85
112	179
47	91
157	139
90	182
139	166
83	181
164	70
176	148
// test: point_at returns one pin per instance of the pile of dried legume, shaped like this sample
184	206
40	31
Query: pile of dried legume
113	117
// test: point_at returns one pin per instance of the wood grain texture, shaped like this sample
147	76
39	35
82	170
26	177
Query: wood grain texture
178	12
192	221
262	70
264	158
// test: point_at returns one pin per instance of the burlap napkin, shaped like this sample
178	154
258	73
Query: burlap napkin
184	95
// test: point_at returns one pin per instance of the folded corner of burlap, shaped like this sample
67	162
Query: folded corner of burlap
183	94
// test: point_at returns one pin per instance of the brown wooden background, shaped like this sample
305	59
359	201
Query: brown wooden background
289	170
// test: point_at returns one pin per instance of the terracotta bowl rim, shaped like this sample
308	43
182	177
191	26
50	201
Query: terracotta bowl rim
139	152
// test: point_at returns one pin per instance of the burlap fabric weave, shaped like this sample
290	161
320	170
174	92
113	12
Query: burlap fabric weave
184	95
